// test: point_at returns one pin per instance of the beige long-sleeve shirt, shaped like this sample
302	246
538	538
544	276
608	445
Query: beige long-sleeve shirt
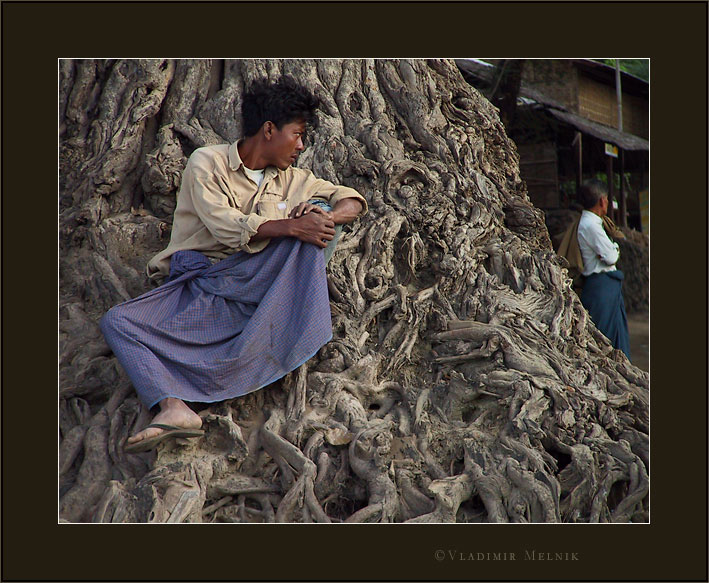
219	208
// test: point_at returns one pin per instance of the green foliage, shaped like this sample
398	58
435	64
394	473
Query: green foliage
637	67
627	176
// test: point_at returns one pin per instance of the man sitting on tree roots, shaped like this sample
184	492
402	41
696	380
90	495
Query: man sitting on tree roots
246	299
601	295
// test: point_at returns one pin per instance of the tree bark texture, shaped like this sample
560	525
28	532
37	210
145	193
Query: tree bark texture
464	382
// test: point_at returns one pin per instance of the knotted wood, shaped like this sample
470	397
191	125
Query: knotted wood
465	381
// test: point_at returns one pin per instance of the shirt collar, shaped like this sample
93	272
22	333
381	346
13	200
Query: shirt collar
235	162
593	216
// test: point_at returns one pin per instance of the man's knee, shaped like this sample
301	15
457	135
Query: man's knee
112	321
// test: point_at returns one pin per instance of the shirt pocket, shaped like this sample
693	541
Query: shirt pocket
272	209
273	206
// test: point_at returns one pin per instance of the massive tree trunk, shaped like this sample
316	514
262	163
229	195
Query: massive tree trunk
465	382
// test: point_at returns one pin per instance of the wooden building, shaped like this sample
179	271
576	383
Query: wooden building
565	126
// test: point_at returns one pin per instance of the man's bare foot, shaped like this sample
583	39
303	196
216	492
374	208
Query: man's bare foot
172	412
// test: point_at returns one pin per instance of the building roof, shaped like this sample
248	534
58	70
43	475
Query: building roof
623	140
600	71
606	73
530	96
485	72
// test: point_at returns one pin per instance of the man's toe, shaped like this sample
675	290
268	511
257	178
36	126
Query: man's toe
145	434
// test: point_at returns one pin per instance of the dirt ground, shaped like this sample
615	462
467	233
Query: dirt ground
639	329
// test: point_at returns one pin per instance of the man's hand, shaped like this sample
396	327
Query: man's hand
305	207
311	223
314	227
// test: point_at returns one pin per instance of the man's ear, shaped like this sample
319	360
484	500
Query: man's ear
267	129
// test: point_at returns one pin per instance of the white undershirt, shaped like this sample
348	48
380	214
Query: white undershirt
255	175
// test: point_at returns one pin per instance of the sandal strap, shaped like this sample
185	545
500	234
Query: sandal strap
167	427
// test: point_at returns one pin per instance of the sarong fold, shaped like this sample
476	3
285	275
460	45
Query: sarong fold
216	332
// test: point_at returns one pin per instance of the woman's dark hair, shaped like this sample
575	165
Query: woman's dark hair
282	102
591	192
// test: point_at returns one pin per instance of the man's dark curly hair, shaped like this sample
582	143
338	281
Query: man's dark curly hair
282	102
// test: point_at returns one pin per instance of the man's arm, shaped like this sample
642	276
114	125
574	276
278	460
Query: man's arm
313	227
310	187
310	223
346	210
607	250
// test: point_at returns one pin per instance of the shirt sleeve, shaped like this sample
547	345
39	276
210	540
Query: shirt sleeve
329	192
607	250
224	221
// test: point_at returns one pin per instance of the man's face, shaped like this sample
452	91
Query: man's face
604	206
285	144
